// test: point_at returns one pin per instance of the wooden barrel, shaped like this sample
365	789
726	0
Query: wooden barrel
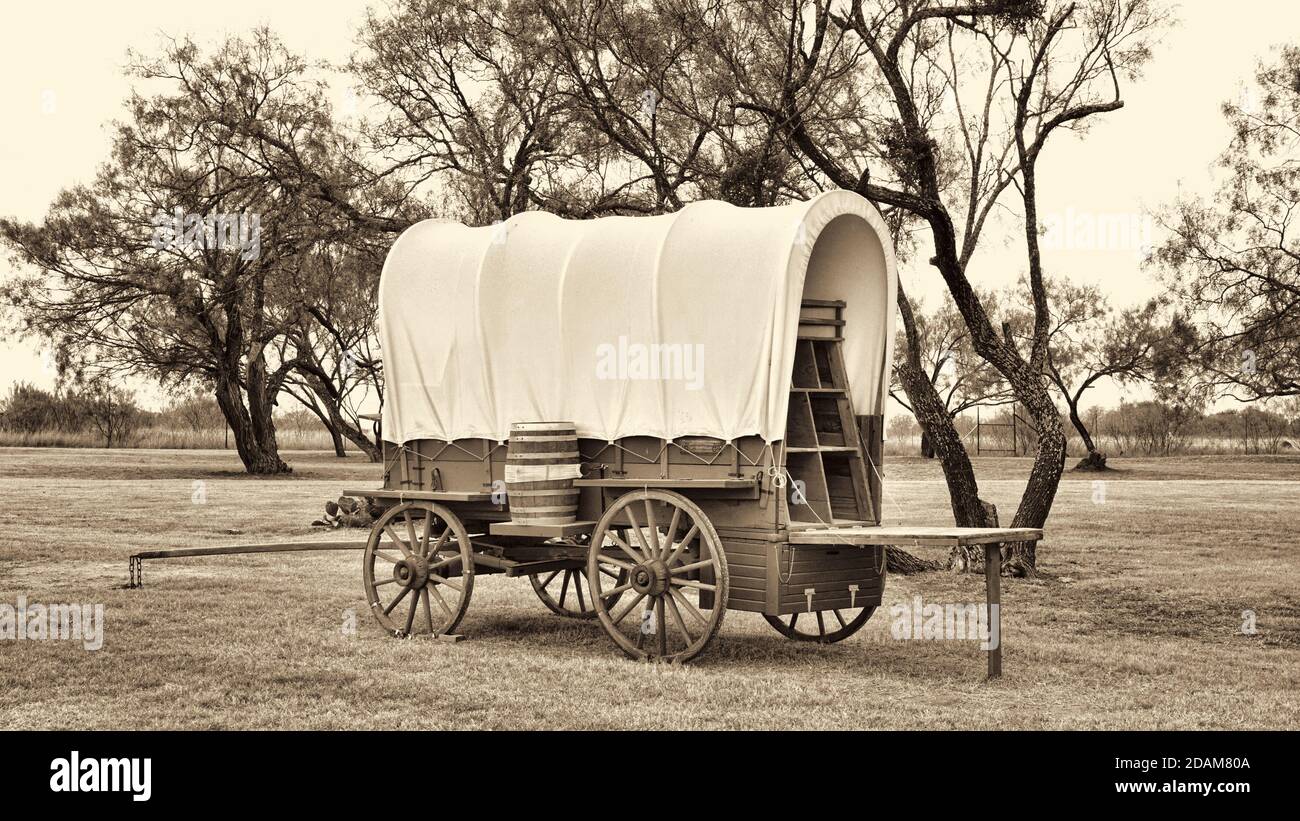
541	464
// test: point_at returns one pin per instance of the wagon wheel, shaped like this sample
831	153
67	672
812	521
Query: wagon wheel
822	626
560	590
420	581
673	558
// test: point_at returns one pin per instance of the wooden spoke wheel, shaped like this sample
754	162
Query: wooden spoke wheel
562	591
822	626
419	580
675	576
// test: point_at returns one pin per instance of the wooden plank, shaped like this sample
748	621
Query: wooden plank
993	602
821	526
807	467
811	320
236	549
871	433
799	431
822	303
805	366
533	568
557	531
422	495
729	483
919	535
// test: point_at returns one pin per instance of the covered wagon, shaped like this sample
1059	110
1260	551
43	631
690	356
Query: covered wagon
653	419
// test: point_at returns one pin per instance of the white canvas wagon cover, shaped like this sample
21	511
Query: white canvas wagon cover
683	324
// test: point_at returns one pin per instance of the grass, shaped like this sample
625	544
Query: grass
1135	622
314	438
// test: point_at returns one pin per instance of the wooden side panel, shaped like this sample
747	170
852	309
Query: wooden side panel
749	566
774	577
815	506
831	573
805	366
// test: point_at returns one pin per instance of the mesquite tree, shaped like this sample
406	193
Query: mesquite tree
177	262
1234	262
332	342
109	275
962	379
1089	341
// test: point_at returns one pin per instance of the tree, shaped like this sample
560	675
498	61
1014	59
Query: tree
331	343
934	112
175	262
959	376
112	411
1234	262
197	411
1088	342
29	409
467	103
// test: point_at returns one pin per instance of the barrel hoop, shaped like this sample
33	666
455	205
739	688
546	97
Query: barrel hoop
534	511
530	457
533	446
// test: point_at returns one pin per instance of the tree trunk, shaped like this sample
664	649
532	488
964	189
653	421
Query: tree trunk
937	424
358	437
250	437
905	564
337	439
1020	558
1095	459
1077	421
328	397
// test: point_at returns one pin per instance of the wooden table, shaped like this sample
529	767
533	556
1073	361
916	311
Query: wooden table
902	536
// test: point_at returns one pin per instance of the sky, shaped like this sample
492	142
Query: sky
62	67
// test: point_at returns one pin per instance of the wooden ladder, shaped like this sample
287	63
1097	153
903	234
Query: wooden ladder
822	446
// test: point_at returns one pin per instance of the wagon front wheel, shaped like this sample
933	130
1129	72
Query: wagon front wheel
669	600
418	569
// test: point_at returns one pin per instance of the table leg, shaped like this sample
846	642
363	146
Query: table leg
993	603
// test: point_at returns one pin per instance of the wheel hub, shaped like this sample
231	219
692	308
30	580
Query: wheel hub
413	571
650	578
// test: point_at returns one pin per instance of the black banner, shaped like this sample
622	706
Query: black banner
144	771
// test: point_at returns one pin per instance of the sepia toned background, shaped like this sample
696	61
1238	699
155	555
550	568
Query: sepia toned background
62	63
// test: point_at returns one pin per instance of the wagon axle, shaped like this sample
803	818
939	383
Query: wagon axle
412	572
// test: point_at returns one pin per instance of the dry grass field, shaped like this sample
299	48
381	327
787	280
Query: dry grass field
1135	622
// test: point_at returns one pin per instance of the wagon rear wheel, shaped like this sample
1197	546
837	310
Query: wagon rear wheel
674	591
822	626
565	592
418	569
